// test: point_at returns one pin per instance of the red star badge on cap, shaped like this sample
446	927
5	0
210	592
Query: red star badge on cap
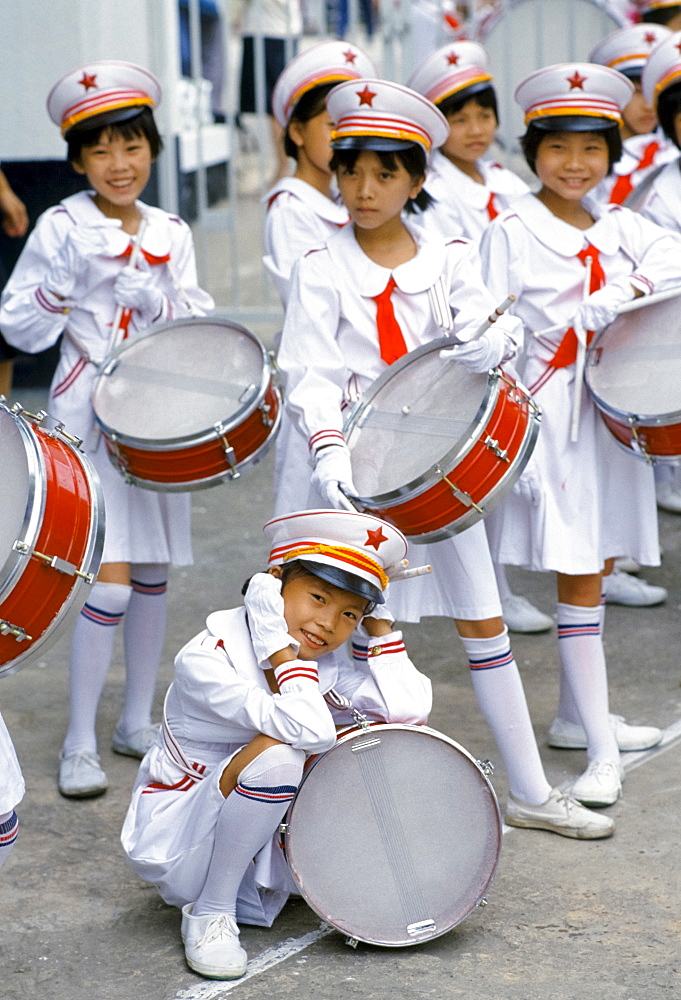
650	38
452	59
576	82
350	56
88	81
375	537
366	96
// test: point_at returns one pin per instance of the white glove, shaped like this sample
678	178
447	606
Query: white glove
331	472
134	289
265	608
600	308
72	258
528	485
483	353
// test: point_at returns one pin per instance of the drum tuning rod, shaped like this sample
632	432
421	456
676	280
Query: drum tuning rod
499	311
406	574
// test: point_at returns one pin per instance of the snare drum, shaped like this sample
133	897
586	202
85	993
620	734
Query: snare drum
51	533
435	447
394	835
633	372
188	405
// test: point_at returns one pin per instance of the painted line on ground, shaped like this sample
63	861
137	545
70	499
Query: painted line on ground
671	737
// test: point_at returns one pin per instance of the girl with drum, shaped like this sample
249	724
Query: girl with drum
376	290
582	501
73	277
254	693
469	191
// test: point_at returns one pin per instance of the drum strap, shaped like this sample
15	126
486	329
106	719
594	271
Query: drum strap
175	751
390	338
624	184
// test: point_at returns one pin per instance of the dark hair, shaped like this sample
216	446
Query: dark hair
412	158
485	98
308	107
296	568
668	106
142	124
531	141
661	16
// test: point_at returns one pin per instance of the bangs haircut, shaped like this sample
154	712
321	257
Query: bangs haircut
661	16
486	98
308	107
142	125
530	142
668	106
297	568
412	158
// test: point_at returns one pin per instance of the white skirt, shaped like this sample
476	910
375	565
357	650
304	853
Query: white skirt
12	785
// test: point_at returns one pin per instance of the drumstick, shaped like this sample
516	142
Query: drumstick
649	300
499	311
122	312
581	357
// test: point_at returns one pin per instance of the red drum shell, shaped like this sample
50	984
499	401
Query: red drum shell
66	501
187	405
482	455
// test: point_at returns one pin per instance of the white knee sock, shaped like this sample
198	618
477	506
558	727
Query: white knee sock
499	690
9	829
583	665
91	649
567	709
143	633
248	818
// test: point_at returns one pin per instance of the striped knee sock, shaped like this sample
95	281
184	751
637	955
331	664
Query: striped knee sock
9	830
143	632
500	694
567	709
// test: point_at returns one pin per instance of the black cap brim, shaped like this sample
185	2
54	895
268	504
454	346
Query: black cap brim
377	143
106	118
573	123
346	581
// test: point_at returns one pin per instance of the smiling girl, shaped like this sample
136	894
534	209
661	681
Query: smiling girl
582	501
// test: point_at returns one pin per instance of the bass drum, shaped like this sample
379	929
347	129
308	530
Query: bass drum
51	533
394	835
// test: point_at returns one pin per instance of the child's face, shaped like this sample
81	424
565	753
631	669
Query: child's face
314	138
638	116
117	168
572	163
471	132
373	194
319	615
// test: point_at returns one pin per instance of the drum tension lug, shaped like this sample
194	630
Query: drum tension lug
494	447
62	566
361	720
486	766
465	498
228	450
119	459
639	441
20	634
483	901
36	418
352	941
266	409
283	828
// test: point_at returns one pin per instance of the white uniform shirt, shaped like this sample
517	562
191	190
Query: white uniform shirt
298	217
634	149
12	786
662	199
587	501
462	206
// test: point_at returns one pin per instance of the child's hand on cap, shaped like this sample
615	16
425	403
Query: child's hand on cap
265	607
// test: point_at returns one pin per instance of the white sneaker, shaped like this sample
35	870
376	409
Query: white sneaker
211	945
135	744
668	496
560	814
81	776
571	736
627	565
521	616
620	588
600	785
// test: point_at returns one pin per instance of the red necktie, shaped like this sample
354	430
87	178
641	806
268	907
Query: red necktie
566	353
624	185
491	207
390	340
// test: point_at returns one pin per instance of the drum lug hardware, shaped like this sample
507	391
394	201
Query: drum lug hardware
283	828
361	720
639	441
109	367
352	941
63	435
36	418
121	460
365	745
494	447
246	393
6	628
465	498
228	450
426	926
265	409
62	566
272	358
486	766
483	901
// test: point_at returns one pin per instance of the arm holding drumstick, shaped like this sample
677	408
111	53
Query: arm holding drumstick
488	347
133	289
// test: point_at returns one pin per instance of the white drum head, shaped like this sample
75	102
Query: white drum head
396	843
180	380
634	365
17	492
419	412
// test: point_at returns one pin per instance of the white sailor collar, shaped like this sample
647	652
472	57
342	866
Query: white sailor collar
415	275
562	238
326	208
467	190
156	240
668	186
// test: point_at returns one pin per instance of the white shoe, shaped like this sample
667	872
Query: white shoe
571	736
521	616
600	785
560	814
627	565
135	744
668	497
81	776
211	945
620	588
